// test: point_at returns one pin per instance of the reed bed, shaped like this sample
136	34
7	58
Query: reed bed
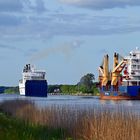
79	124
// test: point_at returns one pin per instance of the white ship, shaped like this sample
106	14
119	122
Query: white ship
33	82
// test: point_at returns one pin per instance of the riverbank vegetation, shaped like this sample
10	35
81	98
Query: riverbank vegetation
63	89
73	89
9	90
84	86
16	129
67	122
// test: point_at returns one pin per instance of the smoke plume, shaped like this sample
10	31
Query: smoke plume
66	49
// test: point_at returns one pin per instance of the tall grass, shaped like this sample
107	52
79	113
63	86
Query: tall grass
15	129
79	124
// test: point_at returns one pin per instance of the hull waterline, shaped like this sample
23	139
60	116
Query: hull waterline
103	97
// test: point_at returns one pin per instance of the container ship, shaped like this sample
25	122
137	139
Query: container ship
33	82
123	81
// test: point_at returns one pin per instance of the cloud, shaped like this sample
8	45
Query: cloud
22	5
68	24
102	4
40	6
35	5
9	20
32	24
36	26
10	6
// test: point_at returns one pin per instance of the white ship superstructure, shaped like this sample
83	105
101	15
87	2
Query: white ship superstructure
133	68
30	73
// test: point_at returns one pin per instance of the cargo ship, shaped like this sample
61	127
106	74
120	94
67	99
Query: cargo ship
33	82
123	81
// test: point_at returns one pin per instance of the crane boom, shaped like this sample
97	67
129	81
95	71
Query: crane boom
120	66
117	70
104	71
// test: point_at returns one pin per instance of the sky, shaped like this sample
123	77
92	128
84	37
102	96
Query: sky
67	38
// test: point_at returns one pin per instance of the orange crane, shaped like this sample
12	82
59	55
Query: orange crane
104	74
117	69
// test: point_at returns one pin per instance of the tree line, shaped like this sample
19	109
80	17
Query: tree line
9	90
85	85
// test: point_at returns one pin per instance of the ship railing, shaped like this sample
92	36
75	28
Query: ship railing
135	62
136	74
34	70
134	57
135	69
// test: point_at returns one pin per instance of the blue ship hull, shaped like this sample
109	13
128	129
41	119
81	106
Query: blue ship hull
123	92
36	88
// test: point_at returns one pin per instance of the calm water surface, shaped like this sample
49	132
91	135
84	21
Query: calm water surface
77	102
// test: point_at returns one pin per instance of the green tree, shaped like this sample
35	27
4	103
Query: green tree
11	90
65	89
87	81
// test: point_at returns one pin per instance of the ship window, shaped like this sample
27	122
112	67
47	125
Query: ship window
132	72
134	54
133	66
134	83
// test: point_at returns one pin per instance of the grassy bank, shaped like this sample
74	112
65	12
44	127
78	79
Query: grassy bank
15	129
65	122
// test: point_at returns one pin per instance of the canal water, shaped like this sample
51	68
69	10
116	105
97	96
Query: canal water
81	102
